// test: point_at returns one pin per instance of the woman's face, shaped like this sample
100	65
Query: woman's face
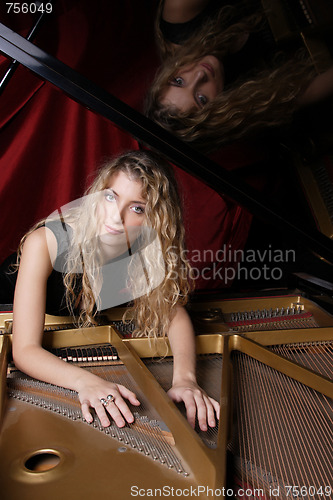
195	85
120	214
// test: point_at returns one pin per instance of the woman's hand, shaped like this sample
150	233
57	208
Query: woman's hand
94	393
197	403
184	383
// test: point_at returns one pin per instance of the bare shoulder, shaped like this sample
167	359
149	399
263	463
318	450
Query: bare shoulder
319	89
181	11
40	246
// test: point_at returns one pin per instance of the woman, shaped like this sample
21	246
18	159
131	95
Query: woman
135	190
212	87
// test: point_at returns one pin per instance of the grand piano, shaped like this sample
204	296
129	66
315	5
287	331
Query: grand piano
266	354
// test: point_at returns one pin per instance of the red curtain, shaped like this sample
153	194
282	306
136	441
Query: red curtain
50	145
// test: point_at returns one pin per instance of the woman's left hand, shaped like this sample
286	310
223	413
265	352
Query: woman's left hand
197	403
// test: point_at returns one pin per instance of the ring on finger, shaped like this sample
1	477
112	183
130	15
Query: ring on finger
109	399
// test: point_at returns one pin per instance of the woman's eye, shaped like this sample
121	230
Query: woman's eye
202	99
177	80
109	197
138	210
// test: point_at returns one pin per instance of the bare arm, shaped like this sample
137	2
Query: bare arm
30	357
184	383
181	11
319	89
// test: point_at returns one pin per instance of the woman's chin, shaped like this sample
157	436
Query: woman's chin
114	244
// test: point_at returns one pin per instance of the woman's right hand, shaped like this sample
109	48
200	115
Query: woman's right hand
94	392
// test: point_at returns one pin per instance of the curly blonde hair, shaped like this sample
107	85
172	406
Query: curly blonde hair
250	104
153	311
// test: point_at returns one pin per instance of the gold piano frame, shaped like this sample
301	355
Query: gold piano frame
206	466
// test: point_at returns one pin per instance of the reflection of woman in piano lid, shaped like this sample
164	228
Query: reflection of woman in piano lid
217	83
134	191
